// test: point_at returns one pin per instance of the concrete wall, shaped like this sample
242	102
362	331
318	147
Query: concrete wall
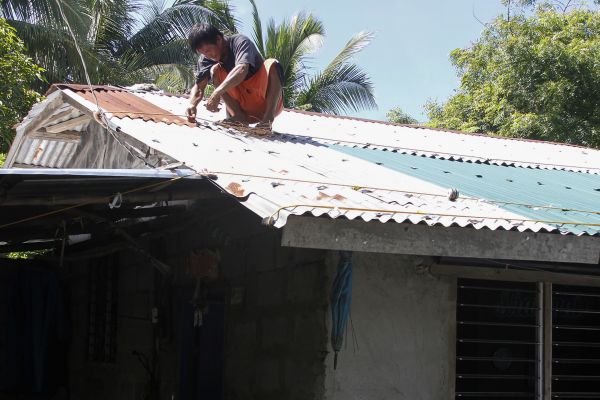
276	341
125	378
276	335
401	343
275	315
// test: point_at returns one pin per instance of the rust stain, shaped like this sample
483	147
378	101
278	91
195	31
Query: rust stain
236	189
37	153
322	196
124	104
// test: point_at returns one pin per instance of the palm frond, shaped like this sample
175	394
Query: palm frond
344	89
223	13
357	43
174	52
175	22
54	50
174	78
291	42
257	33
150	11
43	11
110	22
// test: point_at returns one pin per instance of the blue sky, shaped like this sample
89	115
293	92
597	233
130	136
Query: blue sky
409	59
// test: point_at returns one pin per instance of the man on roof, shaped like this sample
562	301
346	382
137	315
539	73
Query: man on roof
250	86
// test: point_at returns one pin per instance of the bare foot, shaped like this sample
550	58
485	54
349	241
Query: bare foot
234	121
239	117
265	125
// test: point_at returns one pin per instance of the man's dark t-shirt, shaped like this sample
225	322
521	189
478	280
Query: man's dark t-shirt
241	51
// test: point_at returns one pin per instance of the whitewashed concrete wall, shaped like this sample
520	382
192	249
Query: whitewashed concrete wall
403	342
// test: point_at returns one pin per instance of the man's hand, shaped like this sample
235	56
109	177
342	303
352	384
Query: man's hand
212	103
195	96
191	113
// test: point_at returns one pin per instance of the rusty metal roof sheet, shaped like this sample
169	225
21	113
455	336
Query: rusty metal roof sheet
122	103
303	170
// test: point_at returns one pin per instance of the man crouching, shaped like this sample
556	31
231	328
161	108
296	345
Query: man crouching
250	86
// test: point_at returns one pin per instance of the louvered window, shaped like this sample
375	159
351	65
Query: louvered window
102	328
498	340
575	342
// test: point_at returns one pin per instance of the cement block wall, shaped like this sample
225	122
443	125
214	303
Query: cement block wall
277	339
401	343
276	334
275	328
276	343
125	378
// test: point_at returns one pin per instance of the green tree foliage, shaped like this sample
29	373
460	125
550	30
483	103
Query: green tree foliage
17	73
519	6
122	41
533	76
342	86
398	116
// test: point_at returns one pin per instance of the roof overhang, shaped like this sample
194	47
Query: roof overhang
393	238
40	208
298	173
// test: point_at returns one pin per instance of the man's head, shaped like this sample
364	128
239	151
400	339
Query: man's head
208	41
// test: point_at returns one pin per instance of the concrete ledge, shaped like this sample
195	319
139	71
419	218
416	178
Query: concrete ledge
394	238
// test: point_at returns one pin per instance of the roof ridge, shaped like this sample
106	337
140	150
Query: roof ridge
419	126
85	88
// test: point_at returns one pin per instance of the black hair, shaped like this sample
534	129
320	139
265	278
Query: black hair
203	34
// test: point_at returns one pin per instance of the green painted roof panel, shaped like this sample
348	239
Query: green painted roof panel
534	187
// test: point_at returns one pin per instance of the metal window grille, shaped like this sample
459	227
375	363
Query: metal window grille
102	328
575	342
498	340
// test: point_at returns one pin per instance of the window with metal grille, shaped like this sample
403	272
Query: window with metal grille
102	328
575	342
498	340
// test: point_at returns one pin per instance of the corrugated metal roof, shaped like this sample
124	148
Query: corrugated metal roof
46	153
312	168
276	177
552	191
440	144
122	103
51	152
88	173
34	201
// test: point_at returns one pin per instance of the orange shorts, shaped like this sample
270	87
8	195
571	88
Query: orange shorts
252	93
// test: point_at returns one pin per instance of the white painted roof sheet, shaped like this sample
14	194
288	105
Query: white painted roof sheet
280	175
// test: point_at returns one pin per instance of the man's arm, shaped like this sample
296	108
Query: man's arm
195	97
234	78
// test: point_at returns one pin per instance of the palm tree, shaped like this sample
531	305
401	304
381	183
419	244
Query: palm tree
341	87
160	51
115	50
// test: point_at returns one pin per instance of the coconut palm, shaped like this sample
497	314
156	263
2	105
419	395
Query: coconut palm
341	87
122	41
160	49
